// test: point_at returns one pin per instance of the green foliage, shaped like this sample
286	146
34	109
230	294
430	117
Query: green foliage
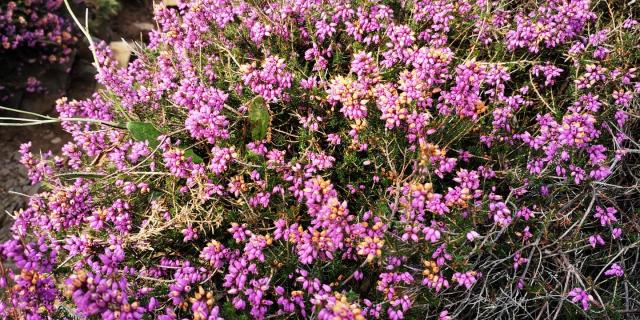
143	131
259	119
102	11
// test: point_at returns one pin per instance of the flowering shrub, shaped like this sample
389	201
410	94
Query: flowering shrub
39	32
32	31
345	160
36	27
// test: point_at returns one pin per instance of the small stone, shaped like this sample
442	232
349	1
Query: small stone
144	26
56	140
83	69
121	52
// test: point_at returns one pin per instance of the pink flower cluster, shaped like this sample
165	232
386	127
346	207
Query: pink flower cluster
35	31
341	160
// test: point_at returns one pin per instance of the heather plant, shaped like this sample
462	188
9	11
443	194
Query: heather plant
34	32
38	34
344	160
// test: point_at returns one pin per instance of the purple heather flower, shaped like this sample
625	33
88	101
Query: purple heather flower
616	233
579	295
472	235
596	240
606	216
615	271
270	81
467	279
